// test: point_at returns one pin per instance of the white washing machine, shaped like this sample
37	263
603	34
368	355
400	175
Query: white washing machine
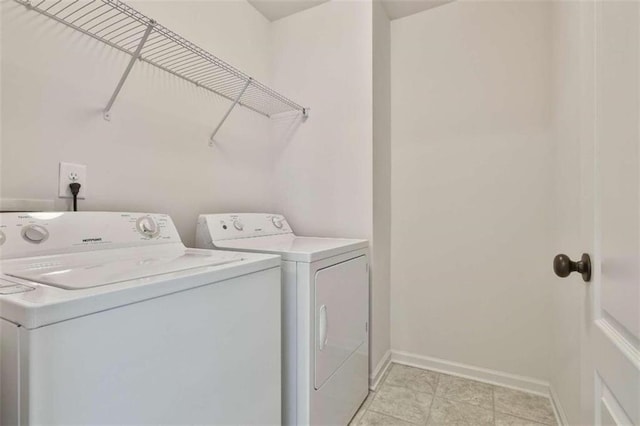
325	312
106	318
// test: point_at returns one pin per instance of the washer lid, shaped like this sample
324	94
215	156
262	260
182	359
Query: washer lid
94	269
291	247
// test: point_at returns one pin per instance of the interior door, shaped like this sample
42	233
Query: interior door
342	300
611	217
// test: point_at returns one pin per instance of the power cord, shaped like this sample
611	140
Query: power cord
75	188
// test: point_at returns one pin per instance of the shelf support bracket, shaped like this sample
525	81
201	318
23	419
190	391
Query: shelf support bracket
136	55
233	105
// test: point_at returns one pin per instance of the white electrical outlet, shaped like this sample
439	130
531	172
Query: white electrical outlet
70	173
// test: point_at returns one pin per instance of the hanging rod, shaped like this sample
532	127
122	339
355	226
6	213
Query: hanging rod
124	28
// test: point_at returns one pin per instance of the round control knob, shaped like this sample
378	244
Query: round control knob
238	225
3	238
147	226
277	222
35	234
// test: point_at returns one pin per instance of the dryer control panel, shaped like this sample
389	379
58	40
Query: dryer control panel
34	234
232	226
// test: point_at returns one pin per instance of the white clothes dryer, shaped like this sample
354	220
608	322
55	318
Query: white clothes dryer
325	312
107	318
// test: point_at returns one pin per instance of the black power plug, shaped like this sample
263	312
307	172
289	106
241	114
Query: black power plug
75	188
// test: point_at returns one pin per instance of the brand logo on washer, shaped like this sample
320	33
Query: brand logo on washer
91	240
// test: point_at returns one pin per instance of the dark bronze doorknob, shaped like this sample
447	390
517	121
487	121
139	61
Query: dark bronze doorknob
563	266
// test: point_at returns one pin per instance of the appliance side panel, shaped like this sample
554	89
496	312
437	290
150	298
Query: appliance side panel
219	345
9	373
203	236
304	341
289	338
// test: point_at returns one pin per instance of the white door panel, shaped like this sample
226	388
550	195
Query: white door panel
611	213
617	374
617	89
611	413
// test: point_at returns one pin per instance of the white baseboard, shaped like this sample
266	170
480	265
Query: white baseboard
499	378
378	372
561	417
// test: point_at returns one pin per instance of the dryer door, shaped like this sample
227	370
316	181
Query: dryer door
342	300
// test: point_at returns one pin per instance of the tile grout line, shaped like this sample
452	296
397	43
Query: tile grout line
433	399
393	417
493	403
380	384
540	422
364	408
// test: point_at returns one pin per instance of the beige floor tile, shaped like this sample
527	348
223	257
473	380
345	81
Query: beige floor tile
412	378
507	420
444	412
402	403
386	373
357	418
371	418
368	399
464	390
524	405
362	409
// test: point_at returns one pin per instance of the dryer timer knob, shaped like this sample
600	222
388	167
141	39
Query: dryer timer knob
277	222
238	225
147	226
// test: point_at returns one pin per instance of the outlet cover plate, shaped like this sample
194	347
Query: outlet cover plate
64	179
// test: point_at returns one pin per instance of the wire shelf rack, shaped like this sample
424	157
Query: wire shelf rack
124	28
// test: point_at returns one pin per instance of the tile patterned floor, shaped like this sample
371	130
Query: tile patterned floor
410	396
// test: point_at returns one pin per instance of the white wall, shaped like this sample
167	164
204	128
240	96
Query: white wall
381	265
324	170
323	55
472	185
153	155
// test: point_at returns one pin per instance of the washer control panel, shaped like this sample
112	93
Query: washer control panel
33	234
241	225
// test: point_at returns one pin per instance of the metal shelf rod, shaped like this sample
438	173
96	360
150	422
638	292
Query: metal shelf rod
235	102
134	57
